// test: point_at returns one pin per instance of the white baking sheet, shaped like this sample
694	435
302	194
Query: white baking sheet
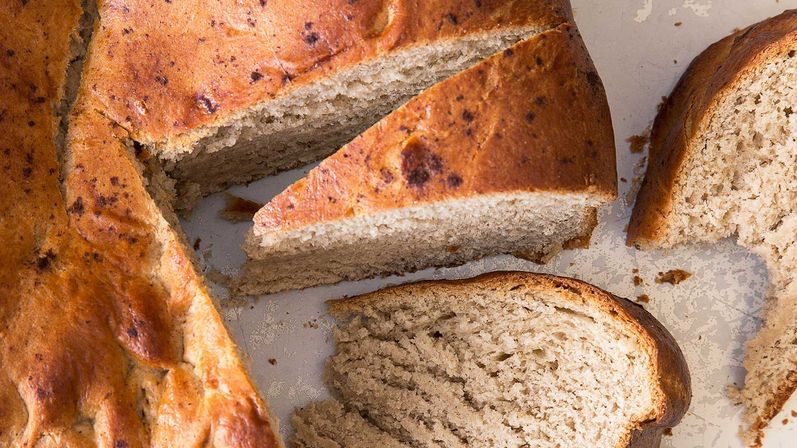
640	47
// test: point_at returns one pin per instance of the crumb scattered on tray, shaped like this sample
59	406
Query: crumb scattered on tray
623	179
272	361
311	324
635	271
794	413
673	276
667	431
785	421
643	298
638	142
678	23
238	209
638	280
197	242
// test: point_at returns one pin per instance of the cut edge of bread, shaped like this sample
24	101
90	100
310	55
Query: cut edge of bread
533	225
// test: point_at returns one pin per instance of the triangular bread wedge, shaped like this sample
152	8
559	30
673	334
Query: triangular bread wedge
723	152
503	360
513	155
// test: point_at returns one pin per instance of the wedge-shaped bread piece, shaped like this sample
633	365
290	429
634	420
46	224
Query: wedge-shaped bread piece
723	157
512	155
108	337
503	360
227	91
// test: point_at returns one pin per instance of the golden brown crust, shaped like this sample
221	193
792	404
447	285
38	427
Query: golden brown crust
168	68
532	118
107	335
672	373
685	113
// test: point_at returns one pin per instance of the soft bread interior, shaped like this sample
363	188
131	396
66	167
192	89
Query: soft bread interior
742	179
492	367
445	233
310	122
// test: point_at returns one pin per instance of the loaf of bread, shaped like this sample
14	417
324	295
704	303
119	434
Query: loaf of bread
503	360
224	92
722	160
108	336
513	155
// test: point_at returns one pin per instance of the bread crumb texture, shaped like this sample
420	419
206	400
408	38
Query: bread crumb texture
504	360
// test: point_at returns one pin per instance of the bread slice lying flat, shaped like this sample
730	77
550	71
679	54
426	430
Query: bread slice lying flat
510	156
503	360
108	336
723	157
228	91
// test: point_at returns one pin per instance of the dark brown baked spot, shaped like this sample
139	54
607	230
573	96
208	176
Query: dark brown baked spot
207	103
162	80
255	76
419	164
508	52
530	116
44	262
467	115
454	181
387	175
540	101
452	18
77	207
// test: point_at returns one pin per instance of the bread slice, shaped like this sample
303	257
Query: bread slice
503	360
723	152
108	336
225	92
513	155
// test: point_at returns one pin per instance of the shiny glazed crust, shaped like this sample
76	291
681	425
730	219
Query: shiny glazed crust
108	337
672	374
168	68
532	118
685	114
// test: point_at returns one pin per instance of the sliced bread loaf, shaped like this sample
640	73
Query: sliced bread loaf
108	336
502	360
513	155
723	158
228	91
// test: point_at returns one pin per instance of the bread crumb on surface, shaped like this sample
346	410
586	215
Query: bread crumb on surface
673	277
667	431
678	23
638	142
638	280
311	324
643	298
238	209
272	361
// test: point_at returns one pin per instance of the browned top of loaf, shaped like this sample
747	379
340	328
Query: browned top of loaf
168	67
98	301
688	110
532	118
672	373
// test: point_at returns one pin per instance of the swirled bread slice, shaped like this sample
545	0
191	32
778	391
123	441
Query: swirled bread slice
224	92
723	154
513	155
108	336
502	360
